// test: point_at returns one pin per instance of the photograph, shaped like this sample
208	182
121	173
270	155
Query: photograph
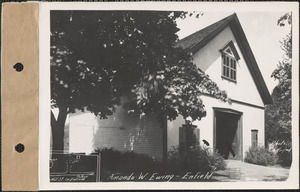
169	96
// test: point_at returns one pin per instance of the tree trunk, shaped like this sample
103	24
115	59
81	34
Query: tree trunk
164	121
58	129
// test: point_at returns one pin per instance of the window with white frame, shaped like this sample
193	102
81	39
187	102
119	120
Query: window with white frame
229	62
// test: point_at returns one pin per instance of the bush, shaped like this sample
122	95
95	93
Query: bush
114	161
285	158
217	161
260	156
195	159
284	152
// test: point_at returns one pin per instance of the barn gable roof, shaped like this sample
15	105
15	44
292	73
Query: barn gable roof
197	40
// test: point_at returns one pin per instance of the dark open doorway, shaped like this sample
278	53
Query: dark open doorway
228	133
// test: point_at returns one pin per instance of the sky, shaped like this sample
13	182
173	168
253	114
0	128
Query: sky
261	30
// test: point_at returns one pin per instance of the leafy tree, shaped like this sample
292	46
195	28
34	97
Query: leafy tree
278	115
99	56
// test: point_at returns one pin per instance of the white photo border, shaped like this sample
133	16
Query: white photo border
44	93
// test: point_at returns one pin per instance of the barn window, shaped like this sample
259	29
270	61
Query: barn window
229	62
229	67
254	137
188	136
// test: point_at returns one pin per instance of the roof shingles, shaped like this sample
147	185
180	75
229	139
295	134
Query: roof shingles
192	40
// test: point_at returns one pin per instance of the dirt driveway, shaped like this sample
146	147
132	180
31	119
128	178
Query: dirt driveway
241	171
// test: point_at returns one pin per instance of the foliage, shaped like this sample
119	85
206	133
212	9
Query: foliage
278	119
179	162
285	18
284	153
260	156
114	161
217	161
279	114
99	56
196	159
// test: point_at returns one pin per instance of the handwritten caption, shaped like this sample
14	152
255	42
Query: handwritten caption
160	177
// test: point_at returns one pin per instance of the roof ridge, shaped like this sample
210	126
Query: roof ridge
231	15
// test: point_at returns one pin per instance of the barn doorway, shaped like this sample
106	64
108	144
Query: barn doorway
228	133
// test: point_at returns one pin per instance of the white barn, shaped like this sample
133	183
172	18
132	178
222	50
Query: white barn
222	51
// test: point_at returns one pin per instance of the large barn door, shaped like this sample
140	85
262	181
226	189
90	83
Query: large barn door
228	134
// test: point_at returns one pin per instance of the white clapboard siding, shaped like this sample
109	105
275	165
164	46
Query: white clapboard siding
123	131
127	132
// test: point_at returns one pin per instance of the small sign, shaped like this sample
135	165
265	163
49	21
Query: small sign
74	167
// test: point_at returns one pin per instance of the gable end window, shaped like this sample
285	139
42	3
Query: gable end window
229	62
228	67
